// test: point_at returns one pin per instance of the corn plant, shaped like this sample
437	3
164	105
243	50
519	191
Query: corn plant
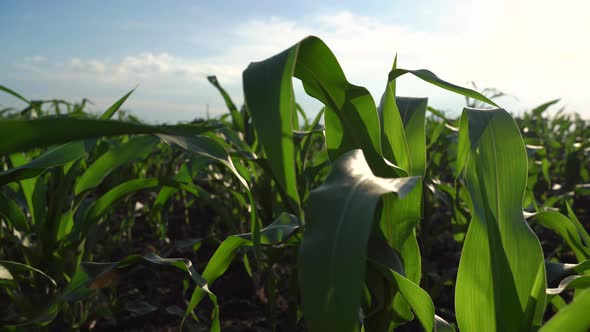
335	257
62	221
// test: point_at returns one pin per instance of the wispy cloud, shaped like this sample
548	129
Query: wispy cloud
532	51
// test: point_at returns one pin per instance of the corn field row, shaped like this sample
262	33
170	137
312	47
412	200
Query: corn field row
370	216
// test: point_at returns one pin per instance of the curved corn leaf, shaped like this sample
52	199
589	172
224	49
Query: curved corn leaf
103	204
16	268
573	317
403	125
389	264
417	298
581	230
571	282
567	229
404	142
332	256
268	91
556	270
238	122
14	94
61	155
442	325
430	77
539	110
501	278
22	135
399	218
278	232
33	191
15	216
106	202
137	148
394	142
210	147
94	276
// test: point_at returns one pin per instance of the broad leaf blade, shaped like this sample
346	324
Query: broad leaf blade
23	135
332	257
137	148
573	317
501	278
351	117
56	157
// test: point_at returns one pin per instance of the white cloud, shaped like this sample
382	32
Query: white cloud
146	67
535	50
35	58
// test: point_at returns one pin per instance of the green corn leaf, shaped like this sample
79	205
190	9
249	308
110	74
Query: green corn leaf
166	192
65	224
332	256
572	318
18	269
268	93
106	202
404	142
539	110
399	218
115	107
55	157
268	90
210	147
22	135
416	297
285	226
93	276
15	216
389	264
14	94
581	230
238	122
137	148
38	199
395	143
501	278
27	185
58	156
90	216
413	114
403	126
565	228
431	78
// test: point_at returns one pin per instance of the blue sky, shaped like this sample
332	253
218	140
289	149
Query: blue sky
532	50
